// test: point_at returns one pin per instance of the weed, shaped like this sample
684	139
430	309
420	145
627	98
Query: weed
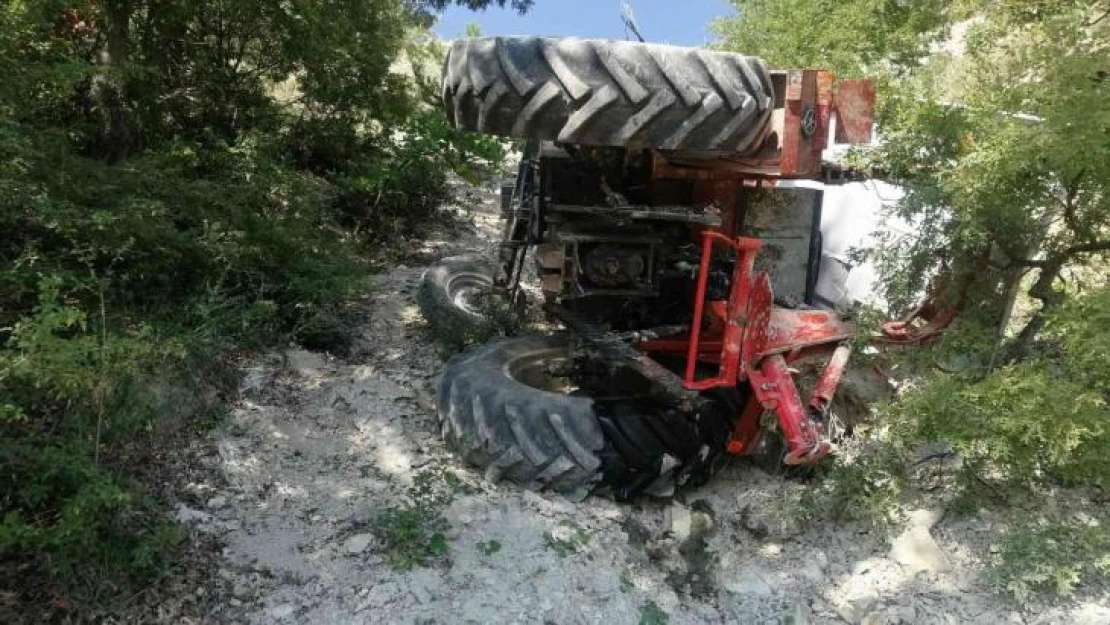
566	538
411	536
865	488
489	547
652	614
436	485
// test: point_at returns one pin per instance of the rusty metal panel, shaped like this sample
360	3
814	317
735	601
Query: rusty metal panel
784	220
855	111
824	110
802	127
791	136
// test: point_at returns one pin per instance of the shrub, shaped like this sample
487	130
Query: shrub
68	402
161	211
120	278
1039	421
1016	431
77	524
1053	558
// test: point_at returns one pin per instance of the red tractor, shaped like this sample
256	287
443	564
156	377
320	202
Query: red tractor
667	197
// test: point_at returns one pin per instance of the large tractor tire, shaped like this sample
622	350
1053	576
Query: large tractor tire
507	407
608	93
453	296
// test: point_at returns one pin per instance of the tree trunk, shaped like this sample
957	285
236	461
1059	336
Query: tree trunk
1050	299
118	133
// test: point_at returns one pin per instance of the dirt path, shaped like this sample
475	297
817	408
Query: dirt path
337	502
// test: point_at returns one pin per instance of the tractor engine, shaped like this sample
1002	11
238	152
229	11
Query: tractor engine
618	247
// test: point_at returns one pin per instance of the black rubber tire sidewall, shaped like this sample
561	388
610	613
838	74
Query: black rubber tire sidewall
438	302
514	431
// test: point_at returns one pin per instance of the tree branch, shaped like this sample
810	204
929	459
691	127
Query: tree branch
1087	248
1037	264
1042	290
1098	19
1071	191
1062	256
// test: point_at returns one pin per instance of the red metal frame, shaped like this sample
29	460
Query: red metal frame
747	337
751	340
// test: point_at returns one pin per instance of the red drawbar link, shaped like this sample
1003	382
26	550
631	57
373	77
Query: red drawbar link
774	386
804	430
755	339
736	318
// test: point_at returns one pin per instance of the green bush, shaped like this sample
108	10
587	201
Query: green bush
117	275
77	524
866	488
1055	558
161	211
1044	420
400	182
152	233
69	402
1013	432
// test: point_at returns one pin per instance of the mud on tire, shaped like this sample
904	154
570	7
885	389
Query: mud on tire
450	296
608	93
501	409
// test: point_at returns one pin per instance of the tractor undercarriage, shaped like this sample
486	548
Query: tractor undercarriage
643	272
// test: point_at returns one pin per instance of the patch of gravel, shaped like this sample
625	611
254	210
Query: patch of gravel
318	448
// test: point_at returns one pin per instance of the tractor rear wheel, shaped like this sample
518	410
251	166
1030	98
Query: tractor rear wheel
514	408
608	93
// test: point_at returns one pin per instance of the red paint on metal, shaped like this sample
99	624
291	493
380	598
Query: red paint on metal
829	379
793	329
752	340
773	384
737	317
699	306
792	122
746	431
824	110
761	311
748	338
808	95
855	111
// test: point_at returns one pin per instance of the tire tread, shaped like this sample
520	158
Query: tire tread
608	93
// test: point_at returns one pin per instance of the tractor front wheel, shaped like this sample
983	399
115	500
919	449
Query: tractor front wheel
454	296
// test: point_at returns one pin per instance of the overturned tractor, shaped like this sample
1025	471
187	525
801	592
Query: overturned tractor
666	201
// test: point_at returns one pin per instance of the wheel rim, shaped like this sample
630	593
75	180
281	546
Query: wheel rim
468	292
544	370
553	369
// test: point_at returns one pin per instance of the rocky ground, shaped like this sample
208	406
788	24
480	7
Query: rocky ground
330	498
